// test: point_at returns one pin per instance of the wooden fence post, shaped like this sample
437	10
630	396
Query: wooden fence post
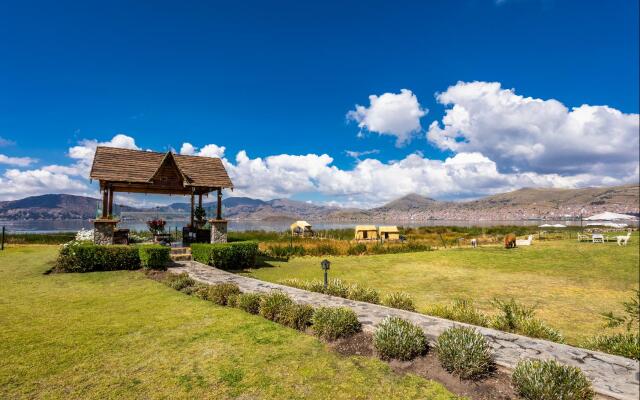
2	241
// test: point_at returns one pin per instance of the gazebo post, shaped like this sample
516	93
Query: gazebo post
192	207
219	209
200	200
105	195
110	208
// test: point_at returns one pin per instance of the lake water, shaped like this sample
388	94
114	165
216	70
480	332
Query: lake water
76	225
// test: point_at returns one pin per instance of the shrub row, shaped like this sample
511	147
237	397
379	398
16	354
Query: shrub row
286	250
338	288
229	256
154	256
89	257
461	350
85	257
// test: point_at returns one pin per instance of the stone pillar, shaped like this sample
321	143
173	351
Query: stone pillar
218	230
103	231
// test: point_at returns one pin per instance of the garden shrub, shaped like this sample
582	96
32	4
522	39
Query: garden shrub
397	338
234	255
461	310
88	257
273	305
200	290
249	302
332	323
549	380
219	293
399	300
181	282
154	256
232	300
621	344
518	318
335	287
465	352
315	286
297	316
363	293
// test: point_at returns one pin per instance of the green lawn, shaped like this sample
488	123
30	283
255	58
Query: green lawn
571	282
113	335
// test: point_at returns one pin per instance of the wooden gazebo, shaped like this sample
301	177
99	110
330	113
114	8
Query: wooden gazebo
136	171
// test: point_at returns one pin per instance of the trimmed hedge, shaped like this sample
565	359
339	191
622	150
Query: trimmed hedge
154	256
86	257
550	380
230	256
397	338
297	316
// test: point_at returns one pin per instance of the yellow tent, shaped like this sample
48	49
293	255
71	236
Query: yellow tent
366	232
389	233
301	228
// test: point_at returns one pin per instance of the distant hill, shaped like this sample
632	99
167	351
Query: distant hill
527	203
53	207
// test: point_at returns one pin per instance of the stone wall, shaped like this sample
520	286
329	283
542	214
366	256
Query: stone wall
218	230
103	231
613	376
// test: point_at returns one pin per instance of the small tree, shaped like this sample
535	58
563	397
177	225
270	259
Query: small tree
200	215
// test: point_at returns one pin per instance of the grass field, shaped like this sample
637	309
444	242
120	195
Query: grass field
114	335
571	282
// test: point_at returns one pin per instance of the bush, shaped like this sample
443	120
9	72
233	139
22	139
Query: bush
220	293
234	255
232	300
315	286
88	257
461	310
181	282
154	256
621	344
465	352
273	305
518	318
297	316
399	300
335	287
249	302
335	322
362	293
399	339
549	380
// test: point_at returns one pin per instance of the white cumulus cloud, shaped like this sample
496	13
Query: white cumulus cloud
16	161
529	134
210	150
394	114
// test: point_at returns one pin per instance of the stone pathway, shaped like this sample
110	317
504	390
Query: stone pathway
613	376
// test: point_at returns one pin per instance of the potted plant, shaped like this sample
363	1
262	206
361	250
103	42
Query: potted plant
156	226
200	215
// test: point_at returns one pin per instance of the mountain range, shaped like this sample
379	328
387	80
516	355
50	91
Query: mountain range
521	204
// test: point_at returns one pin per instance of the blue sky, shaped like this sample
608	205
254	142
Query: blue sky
279	78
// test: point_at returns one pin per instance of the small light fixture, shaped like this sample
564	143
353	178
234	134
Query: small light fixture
325	264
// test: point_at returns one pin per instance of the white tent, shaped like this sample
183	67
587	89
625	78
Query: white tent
558	226
545	226
610	216
608	224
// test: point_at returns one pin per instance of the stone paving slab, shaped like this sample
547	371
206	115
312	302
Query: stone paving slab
613	376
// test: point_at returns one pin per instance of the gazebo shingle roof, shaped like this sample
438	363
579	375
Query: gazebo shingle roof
137	166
